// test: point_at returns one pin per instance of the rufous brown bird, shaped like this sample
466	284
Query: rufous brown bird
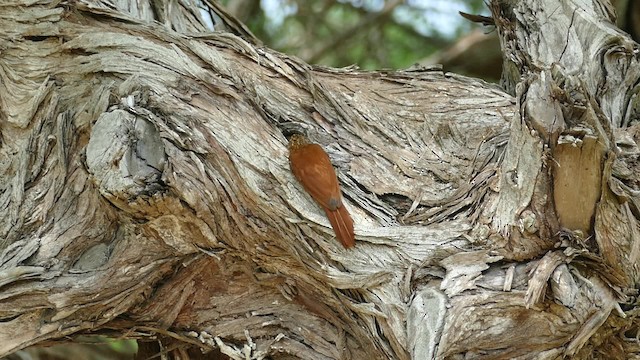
312	167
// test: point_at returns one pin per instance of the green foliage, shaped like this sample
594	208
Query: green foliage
82	348
372	34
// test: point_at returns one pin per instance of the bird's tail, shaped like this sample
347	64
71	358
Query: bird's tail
342	225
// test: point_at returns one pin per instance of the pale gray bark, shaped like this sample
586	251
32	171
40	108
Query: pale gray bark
146	191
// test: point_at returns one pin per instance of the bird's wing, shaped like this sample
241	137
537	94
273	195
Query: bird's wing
316	174
321	184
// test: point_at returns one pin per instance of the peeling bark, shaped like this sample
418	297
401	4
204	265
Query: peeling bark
146	191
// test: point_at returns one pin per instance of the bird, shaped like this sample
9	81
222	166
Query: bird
312	167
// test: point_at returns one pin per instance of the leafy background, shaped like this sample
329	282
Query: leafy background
374	34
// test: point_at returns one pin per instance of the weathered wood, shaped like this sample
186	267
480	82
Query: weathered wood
574	75
146	192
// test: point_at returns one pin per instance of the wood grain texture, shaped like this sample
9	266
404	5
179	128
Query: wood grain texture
145	191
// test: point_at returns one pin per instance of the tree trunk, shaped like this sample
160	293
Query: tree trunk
146	191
